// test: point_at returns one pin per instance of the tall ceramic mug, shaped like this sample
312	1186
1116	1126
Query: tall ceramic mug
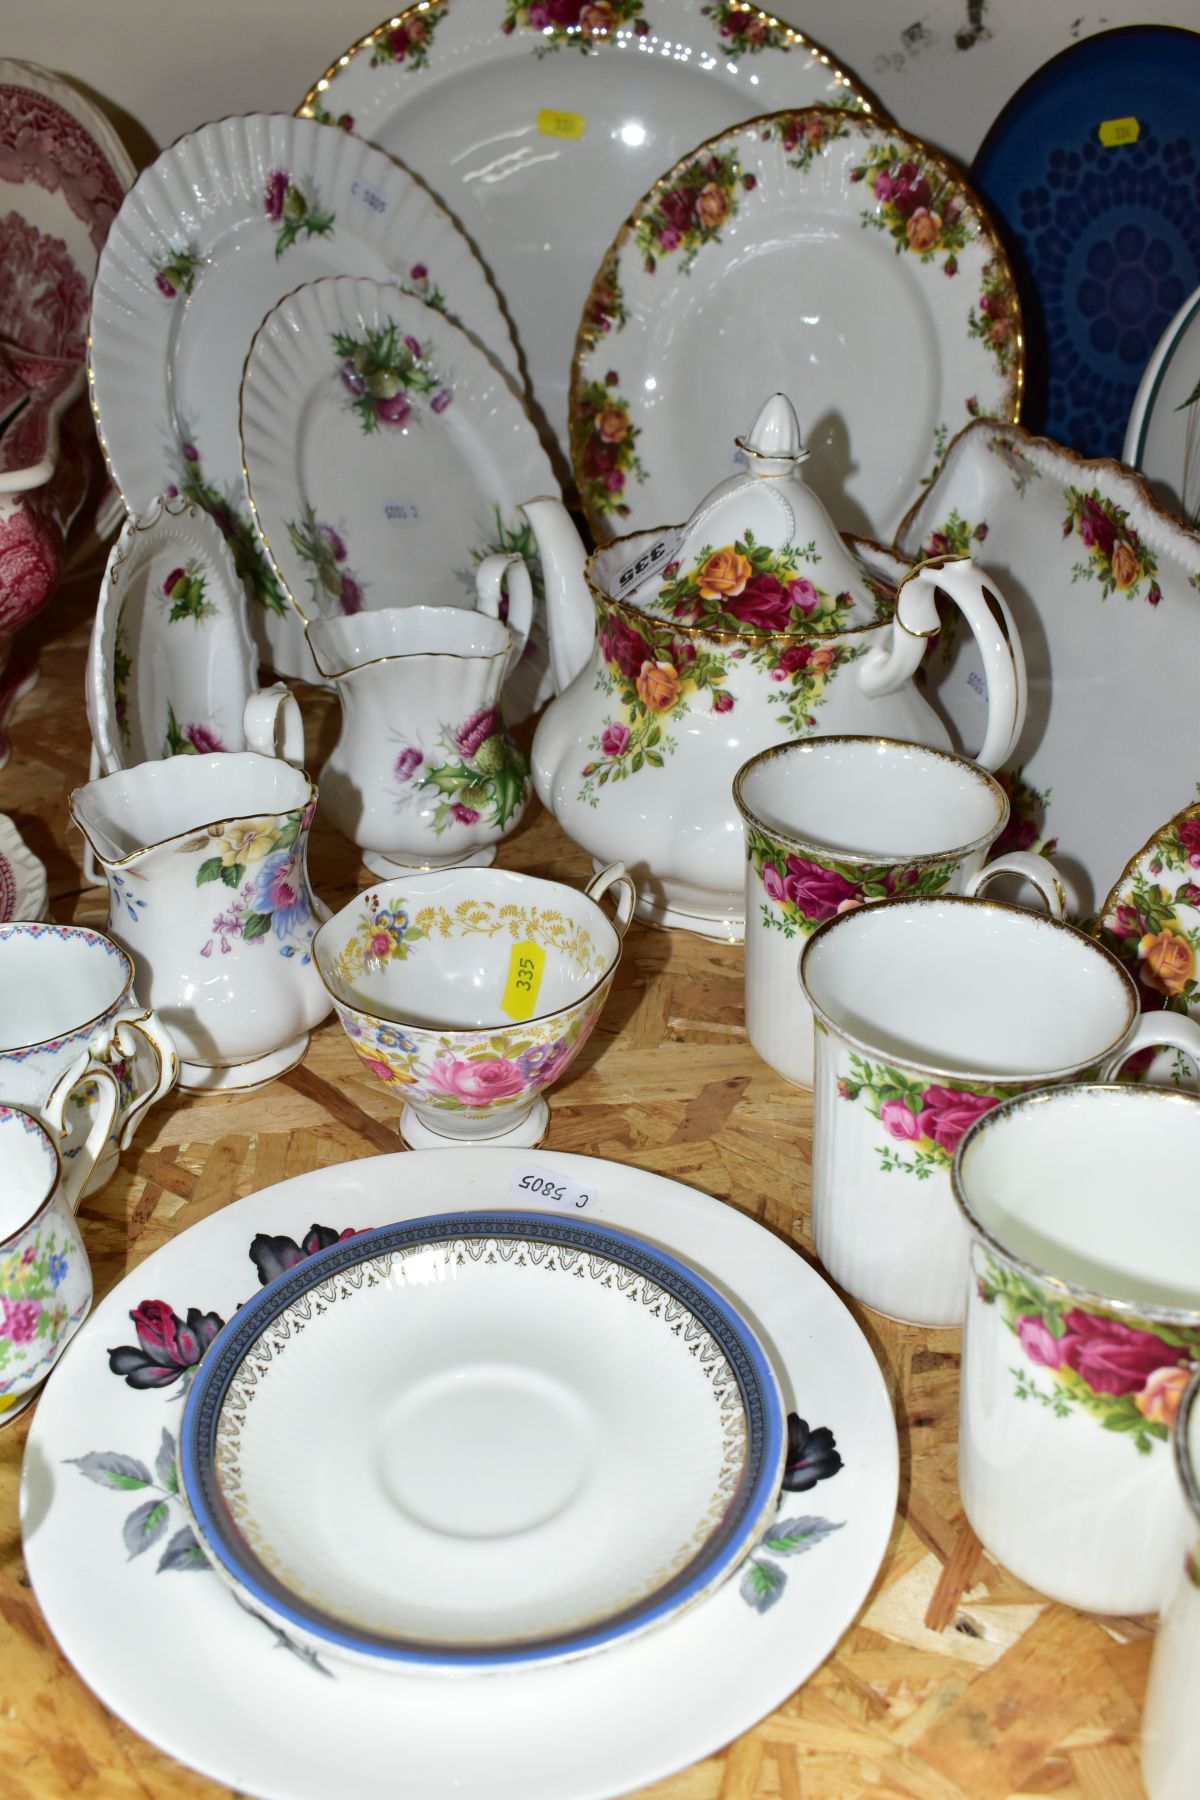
45	1278
205	859
833	823
1083	1327
1171	1719
70	1015
929	1013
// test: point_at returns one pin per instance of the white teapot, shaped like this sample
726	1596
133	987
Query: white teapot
681	652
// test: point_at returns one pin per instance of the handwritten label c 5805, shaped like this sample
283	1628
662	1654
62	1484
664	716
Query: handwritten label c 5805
560	124
525	966
366	196
532	1183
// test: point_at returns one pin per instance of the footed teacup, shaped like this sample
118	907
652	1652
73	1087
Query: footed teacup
471	990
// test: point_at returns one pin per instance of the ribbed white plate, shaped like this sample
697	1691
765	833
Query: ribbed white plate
209	239
369	502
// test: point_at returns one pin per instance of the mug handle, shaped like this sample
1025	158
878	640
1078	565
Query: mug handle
993	628
490	579
614	876
1151	1030
273	726
76	1174
1039	871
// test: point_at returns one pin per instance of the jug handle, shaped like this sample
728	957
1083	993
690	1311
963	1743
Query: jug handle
75	1174
612	877
993	628
273	726
490	578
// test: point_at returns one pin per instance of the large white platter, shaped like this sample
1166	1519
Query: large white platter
821	254
364	501
1105	589
1162	438
540	124
225	223
231	1703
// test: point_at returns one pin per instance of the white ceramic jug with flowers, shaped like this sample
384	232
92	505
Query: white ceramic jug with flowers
680	653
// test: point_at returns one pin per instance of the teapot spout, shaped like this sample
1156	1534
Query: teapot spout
570	617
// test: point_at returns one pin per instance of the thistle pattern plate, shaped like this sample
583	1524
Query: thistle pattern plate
810	239
170	664
1105	589
225	223
385	456
540	122
115	1566
540	1437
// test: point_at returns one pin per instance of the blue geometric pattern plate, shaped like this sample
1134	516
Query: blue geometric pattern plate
477	1441
1093	167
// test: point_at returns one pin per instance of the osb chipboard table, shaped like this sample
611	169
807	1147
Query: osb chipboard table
956	1682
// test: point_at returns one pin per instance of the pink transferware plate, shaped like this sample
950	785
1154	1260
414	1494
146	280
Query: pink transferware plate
22	877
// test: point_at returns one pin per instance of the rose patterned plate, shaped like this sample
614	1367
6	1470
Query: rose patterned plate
213	234
1162	438
1105	589
1151	920
171	664
22	877
118	1572
1093	166
385	456
811	239
540	122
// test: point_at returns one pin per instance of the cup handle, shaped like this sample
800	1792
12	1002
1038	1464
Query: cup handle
490	579
273	726
615	877
85	1067
148	1026
1152	1030
1039	871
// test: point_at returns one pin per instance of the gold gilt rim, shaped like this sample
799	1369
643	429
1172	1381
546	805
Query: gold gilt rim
11	1109
88	931
864	121
1105	465
1190	811
796	39
213	826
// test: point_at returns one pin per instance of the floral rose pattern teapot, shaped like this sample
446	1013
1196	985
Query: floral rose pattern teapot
681	652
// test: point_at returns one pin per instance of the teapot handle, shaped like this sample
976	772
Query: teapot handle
614	876
992	625
493	573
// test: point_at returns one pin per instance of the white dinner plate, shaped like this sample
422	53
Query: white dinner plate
1162	439
118	1574
212	235
171	664
540	124
817	253
1105	589
385	456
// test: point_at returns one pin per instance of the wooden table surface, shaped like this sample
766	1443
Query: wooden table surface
956	1682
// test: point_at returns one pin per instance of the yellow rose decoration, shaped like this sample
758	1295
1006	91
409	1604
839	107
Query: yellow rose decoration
712	205
1159	1399
1168	962
1124	565
726	572
658	685
612	422
923	229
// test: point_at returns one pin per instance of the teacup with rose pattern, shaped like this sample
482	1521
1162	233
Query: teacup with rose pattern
469	991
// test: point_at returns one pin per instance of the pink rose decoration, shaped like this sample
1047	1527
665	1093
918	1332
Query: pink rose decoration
773	882
817	891
946	1113
1189	837
1039	1342
803	594
476	730
795	658
763	604
1114	1358
678	208
1095	528
622	645
668	238
900	1120
20	1320
477	1083
384	1070
722	701
613	739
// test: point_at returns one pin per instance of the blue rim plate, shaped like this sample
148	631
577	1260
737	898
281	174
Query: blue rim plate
732	1535
1105	236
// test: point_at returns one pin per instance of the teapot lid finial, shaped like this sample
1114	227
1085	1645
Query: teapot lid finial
773	441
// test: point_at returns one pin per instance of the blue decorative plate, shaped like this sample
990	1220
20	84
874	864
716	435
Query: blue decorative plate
481	1440
1093	171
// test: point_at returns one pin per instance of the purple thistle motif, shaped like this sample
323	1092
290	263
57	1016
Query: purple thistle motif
441	400
172	578
408	762
466	815
165	285
414	344
352	381
335	542
190	453
475	731
350	598
418	272
274	194
202	739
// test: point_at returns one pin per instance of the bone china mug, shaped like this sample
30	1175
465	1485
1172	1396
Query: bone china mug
837	822
45	1278
929	1013
205	859
1171	1720
1083	1328
69	1014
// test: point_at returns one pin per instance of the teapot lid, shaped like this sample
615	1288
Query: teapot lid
760	555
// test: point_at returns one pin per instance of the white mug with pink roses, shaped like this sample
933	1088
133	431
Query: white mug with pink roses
1082	1333
930	1012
